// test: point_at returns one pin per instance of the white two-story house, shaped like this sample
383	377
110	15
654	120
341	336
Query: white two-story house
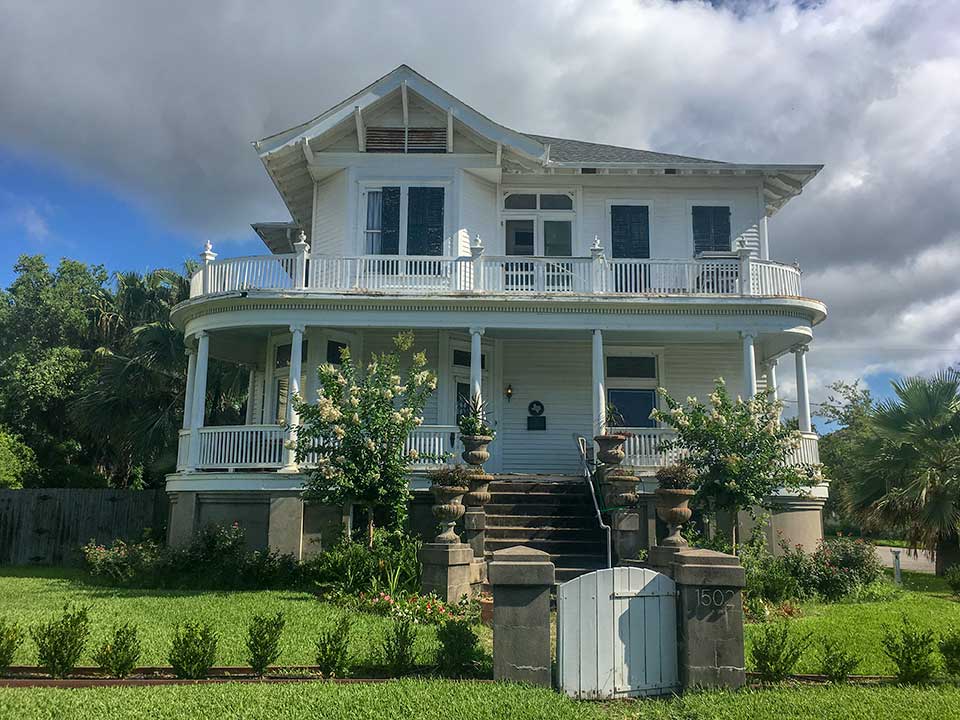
551	276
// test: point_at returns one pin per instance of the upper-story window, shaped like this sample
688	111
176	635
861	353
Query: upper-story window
711	228
538	223
404	220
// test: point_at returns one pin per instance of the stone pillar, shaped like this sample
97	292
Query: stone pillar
447	571
183	519
599	394
285	528
522	579
710	613
199	398
803	396
475	517
749	366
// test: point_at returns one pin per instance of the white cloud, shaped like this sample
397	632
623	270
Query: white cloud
159	102
29	217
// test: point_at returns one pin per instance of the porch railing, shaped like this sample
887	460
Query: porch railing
260	447
642	448
410	275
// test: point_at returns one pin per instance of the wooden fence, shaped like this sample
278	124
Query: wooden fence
47	526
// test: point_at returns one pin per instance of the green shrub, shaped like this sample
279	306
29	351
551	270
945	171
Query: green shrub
333	648
776	651
877	591
263	641
17	461
349	568
118	656
460	653
912	651
398	648
11	637
122	563
193	650
836	662
60	641
842	564
952	576
950	650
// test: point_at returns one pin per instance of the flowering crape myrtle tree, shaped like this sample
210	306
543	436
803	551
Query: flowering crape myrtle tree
740	450
354	436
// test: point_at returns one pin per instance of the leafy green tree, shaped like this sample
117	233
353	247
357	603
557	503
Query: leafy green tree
17	461
907	468
739	449
356	431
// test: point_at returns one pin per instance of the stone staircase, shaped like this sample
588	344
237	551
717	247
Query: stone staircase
550	513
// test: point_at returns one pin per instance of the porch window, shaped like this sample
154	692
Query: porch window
334	349
711	228
386	233
461	358
630	231
631	389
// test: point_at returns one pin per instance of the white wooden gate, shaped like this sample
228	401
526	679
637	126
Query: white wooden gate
617	634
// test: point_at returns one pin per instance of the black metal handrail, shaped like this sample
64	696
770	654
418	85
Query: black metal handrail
588	478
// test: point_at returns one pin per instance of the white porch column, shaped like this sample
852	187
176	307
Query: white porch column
191	353
749	366
772	379
293	390
251	390
476	363
599	394
803	396
199	397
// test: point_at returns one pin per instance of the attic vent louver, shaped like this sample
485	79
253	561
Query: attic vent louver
409	140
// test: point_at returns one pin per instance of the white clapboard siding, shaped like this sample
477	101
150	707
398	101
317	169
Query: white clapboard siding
617	634
329	215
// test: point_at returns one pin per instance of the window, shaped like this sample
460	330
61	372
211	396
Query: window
538	224
631	380
711	228
334	349
462	358
639	366
422	233
630	231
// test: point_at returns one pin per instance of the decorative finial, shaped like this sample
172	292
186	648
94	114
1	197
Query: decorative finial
596	242
302	237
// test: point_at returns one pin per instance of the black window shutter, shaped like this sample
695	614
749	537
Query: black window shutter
711	228
425	221
630	231
390	222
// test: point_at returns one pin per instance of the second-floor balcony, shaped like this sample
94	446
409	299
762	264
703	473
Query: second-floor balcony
721	275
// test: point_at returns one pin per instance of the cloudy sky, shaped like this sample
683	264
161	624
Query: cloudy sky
125	126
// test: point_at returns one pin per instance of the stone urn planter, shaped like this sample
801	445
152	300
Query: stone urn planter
611	450
475	449
620	491
673	508
479	492
447	509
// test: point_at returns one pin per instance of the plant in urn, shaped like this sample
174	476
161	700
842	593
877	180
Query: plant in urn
448	486
673	498
475	434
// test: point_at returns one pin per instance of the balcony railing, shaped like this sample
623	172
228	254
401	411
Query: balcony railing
260	447
511	275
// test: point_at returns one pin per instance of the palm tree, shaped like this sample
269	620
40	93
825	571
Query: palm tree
909	473
131	409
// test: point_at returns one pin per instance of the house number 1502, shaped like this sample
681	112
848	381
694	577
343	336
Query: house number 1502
713	597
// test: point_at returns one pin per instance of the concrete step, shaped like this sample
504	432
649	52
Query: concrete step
557	488
551	509
543	533
555	547
564	498
580	520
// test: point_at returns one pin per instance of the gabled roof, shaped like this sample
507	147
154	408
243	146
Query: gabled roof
563	150
289	158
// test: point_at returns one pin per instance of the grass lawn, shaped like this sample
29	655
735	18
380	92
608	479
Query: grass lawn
436	700
31	594
926	600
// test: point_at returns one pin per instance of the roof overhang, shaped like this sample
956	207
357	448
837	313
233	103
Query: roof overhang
278	236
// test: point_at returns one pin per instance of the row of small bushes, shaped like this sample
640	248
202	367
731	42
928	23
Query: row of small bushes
777	649
60	642
218	559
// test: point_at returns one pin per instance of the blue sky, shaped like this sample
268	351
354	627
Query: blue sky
45	211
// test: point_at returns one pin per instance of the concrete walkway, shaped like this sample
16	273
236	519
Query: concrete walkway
921	562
